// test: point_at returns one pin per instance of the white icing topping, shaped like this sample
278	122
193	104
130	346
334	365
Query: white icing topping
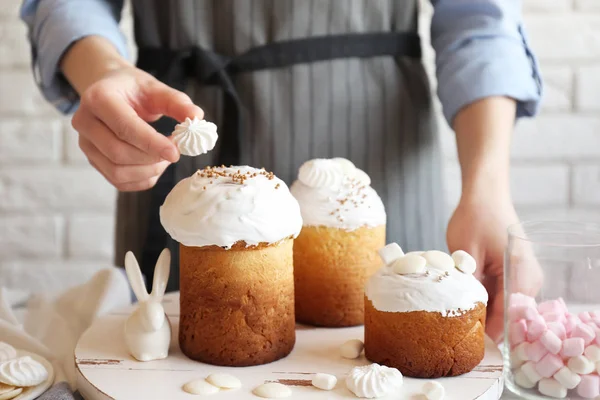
195	137
7	352
22	372
220	206
334	193
371	381
400	287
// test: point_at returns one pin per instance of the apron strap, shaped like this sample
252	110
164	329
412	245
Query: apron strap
174	67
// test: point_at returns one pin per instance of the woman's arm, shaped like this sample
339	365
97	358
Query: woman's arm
82	68
487	78
54	27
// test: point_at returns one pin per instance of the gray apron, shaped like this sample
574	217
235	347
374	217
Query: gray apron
375	110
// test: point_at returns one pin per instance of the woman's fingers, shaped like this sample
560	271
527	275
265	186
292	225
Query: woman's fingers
158	98
123	177
116	150
120	117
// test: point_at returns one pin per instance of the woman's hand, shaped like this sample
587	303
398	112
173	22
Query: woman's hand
117	102
479	226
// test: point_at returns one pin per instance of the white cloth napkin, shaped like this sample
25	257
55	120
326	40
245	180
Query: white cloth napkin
53	323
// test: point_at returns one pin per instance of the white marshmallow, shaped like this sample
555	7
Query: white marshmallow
530	372
409	264
520	352
433	390
352	349
464	261
592	353
598	368
515	360
390	253
324	381
551	387
567	378
200	387
581	365
522	380
439	260
272	390
224	381
418	253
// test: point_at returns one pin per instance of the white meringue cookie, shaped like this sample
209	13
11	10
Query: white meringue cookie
322	173
464	261
371	381
7	352
409	264
22	372
195	136
439	260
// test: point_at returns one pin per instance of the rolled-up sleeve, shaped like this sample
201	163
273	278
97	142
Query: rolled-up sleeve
54	25
481	51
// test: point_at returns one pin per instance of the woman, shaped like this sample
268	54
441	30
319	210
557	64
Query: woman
291	80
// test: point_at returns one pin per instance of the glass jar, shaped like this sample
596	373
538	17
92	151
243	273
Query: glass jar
552	310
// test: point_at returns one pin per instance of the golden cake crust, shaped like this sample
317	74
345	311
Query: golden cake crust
425	344
237	305
331	267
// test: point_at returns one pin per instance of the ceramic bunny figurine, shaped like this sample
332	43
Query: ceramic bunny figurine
148	330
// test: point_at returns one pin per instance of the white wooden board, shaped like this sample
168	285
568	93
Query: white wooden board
106	371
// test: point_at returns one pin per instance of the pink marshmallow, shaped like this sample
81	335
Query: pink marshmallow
554	316
571	323
535	351
589	388
535	329
516	313
572	347
551	342
585	316
520	299
562	303
549	365
517	332
558	329
595	314
585	332
551	306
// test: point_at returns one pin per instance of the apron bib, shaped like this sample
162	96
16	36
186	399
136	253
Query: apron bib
291	80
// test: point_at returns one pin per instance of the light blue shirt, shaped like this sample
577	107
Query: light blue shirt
481	49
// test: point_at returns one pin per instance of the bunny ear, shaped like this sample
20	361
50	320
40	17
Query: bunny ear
161	274
134	274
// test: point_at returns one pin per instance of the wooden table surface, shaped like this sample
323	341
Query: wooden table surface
106	371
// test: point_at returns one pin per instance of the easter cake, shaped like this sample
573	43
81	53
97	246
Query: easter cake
425	313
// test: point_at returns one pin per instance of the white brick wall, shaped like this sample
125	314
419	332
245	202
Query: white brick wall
56	213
